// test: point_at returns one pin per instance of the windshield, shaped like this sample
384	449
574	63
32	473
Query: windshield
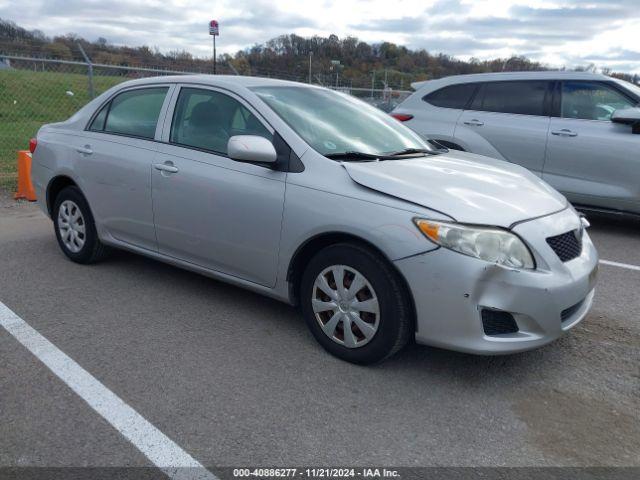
336	123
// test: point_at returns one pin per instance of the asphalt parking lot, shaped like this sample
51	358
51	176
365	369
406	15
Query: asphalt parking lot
235	379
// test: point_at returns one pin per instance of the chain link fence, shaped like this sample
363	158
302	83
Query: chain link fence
385	99
36	91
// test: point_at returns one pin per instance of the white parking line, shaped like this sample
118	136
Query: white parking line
628	266
163	452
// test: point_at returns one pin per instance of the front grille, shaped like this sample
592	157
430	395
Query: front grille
495	322
567	313
567	245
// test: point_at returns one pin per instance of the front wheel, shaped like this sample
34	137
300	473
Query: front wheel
355	304
75	228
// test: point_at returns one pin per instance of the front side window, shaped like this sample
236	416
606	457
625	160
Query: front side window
523	98
134	113
206	119
591	100
453	96
336	123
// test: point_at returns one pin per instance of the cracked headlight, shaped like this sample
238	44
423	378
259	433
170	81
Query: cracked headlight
486	243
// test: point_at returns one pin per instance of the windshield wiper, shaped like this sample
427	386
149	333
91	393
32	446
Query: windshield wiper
383	156
352	155
409	151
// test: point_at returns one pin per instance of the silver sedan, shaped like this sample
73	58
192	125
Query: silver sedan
314	198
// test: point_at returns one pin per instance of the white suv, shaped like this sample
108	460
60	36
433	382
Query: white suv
578	131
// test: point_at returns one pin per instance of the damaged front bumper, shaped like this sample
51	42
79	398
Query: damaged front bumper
466	304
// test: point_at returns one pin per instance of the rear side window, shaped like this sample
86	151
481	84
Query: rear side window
524	98
206	119
453	96
134	113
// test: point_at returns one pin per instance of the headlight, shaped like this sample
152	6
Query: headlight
486	243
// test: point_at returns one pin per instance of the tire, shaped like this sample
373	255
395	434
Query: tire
383	334
83	245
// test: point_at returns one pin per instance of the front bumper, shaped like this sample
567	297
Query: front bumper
450	291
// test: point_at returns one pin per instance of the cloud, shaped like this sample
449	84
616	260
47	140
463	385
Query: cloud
404	25
460	45
615	56
546	25
261	15
559	32
107	11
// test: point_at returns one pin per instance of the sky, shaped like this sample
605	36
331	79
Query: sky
559	33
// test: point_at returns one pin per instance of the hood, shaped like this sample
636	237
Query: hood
470	188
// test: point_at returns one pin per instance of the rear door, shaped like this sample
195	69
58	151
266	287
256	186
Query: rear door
115	155
590	159
509	121
210	210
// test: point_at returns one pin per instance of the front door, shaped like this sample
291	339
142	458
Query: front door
210	210
590	159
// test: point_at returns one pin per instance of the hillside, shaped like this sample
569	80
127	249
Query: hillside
286	56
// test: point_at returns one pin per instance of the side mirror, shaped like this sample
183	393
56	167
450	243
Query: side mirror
252	149
628	116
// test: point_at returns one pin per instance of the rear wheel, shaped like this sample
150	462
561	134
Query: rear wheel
75	228
355	304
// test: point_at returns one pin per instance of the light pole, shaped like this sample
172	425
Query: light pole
373	83
214	31
310	55
214	54
336	64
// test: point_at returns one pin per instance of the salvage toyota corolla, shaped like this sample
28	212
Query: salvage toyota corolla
320	200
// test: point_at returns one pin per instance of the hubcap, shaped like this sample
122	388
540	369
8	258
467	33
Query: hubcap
345	306
71	226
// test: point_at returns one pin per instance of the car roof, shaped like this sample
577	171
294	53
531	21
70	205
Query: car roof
233	83
215	80
497	76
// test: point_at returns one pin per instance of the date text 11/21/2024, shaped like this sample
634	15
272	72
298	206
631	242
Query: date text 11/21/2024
316	472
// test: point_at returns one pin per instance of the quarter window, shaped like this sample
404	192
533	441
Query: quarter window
98	121
206	119
453	96
524	98
591	100
134	113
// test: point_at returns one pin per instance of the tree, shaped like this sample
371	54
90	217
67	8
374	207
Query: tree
58	50
285	56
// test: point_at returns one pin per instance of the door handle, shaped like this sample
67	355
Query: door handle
166	167
86	150
565	132
474	123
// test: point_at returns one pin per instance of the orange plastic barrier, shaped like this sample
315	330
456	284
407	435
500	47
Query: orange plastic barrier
25	187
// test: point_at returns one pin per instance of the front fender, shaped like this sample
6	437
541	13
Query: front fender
310	213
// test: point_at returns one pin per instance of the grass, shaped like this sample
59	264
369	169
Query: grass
30	99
